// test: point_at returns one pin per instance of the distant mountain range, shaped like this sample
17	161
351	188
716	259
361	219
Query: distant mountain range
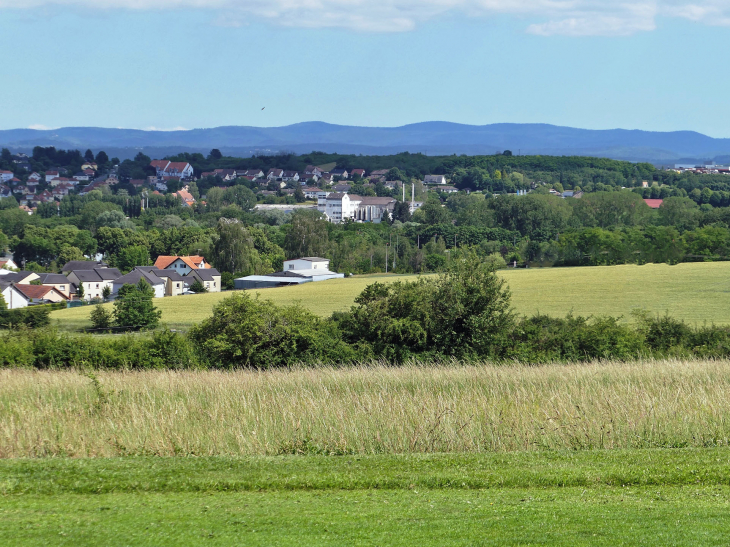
433	138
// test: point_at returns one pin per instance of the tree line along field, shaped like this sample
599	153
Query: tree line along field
694	292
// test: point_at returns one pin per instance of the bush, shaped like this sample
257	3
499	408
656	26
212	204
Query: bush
254	333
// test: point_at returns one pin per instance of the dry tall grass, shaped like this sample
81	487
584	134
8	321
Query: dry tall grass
376	409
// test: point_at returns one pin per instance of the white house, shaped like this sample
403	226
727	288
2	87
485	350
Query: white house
94	281
50	175
178	169
6	176
274	174
34	177
290	176
14	299
181	264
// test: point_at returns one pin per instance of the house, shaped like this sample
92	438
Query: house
225	174
358	173
26	209
274	174
90	165
61	190
41	294
19	278
342	173
45	196
328	178
57	281
654	203
187	198
14	299
5	191
175	284
62	180
21	190
312	170
81	176
290	176
6	176
296	272
342	187
94	281
50	175
392	184
181	264
137	183
255	173
135	276
209	277
179	169
35	177
380	173
434	179
312	192
8	264
448	190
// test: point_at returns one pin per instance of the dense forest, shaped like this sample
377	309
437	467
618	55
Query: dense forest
609	224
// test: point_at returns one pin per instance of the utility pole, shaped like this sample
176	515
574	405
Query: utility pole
386	257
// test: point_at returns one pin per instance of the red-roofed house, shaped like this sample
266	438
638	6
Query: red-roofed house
186	197
654	203
6	176
40	294
165	168
181	264
359	172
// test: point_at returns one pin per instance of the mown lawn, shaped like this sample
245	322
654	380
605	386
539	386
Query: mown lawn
697	293
640	497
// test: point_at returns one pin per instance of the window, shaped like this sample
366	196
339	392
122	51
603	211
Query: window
63	287
177	285
97	285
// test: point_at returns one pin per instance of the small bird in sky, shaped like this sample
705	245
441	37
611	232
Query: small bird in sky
263	108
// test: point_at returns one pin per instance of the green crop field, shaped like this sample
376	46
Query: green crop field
695	292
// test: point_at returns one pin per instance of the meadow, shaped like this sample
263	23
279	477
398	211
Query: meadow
695	292
370	409
594	454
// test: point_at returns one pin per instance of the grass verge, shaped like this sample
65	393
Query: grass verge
639	497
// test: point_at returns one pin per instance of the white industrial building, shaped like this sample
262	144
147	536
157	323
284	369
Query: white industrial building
295	272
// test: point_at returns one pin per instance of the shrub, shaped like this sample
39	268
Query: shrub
254	333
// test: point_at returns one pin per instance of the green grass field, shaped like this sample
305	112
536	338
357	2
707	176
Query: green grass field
697	293
641	497
584	454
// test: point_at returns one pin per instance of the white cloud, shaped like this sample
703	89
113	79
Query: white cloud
547	17
40	127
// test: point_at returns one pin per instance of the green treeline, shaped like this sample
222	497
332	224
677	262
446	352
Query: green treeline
464	313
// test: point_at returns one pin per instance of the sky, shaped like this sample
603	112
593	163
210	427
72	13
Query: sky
180	64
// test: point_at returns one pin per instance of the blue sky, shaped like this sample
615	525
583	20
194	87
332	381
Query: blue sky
171	64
